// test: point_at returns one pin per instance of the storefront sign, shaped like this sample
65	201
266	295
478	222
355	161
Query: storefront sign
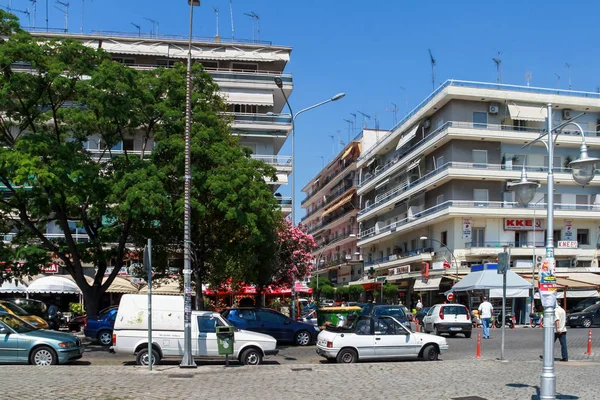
568	244
568	231
404	269
466	228
524	224
51	269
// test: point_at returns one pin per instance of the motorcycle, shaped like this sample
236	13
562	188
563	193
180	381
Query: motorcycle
509	320
535	320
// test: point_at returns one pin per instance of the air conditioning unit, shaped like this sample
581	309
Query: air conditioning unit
494	108
427	123
538	259
567	114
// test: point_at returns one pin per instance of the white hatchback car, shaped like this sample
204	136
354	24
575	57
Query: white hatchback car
448	318
383	337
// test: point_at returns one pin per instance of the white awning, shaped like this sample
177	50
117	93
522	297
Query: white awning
53	284
13	286
407	137
573	294
527	113
510	293
431	284
259	98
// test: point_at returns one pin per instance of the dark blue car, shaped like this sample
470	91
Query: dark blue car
273	323
101	328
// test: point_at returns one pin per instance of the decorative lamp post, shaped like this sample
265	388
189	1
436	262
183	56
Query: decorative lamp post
447	248
583	170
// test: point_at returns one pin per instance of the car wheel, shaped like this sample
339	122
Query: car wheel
468	335
142	357
105	338
302	338
430	353
43	356
347	356
251	357
586	323
436	331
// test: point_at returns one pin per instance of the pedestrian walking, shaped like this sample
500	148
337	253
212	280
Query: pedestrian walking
560	331
419	305
485	311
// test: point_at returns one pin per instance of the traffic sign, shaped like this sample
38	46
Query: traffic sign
450	296
502	263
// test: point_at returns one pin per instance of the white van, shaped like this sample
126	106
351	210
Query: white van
130	334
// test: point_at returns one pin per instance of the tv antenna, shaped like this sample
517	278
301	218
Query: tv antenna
139	28
46	15
155	26
65	11
432	69
354	115
332	145
528	76
26	12
569	69
350	128
217	15
394	111
231	17
365	118
558	80
82	13
498	62
34	4
376	121
255	18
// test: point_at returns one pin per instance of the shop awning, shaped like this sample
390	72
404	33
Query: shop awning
523	112
53	284
510	293
121	285
170	287
13	286
573	294
487	277
584	277
349	150
407	137
431	284
338	204
247	97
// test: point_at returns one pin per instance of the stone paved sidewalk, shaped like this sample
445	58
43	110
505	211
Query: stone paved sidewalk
425	380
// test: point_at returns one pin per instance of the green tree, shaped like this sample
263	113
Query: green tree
390	292
342	292
317	287
355	291
328	291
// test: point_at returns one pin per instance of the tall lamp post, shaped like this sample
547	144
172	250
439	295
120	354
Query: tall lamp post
187	360
279	83
583	170
447	248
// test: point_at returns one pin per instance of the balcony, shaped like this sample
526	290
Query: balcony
283	163
329	178
490	131
497	209
324	224
339	241
476	85
260	121
332	197
402	258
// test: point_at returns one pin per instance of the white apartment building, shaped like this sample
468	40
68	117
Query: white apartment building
442	173
331	207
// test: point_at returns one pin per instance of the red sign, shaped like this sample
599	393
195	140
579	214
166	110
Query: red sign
51	269
450	297
522	224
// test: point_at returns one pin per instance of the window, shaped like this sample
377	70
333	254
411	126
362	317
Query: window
246	315
520	239
480	196
480	119
363	326
126	61
440	162
413	244
440	123
557	162
583	236
271	317
557	198
444	238
519	125
210	64
244	66
245	108
388	326
478	237
166	63
128	144
208	324
480	158
440	199
582	201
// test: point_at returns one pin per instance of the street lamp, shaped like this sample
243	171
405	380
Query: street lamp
583	170
188	361
279	83
447	248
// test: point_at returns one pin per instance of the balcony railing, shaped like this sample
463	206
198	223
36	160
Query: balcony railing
333	241
328	179
500	245
333	219
471	204
248	118
399	189
284	201
478	85
459	124
399	257
277	161
332	198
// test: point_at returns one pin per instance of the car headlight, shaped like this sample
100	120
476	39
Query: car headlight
67	345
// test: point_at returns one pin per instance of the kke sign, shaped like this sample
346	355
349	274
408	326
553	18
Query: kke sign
450	296
522	224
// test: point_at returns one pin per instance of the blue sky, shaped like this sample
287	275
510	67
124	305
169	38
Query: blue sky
372	49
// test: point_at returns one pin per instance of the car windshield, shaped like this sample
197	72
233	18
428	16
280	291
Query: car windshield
15	309
592	308
17	324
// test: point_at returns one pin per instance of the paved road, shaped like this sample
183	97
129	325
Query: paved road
521	344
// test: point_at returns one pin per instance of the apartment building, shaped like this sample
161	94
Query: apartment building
435	189
245	72
331	207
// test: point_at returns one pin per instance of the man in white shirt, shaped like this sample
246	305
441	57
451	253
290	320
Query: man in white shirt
419	305
485	311
560	331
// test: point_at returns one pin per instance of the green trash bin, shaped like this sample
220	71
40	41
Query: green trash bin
225	338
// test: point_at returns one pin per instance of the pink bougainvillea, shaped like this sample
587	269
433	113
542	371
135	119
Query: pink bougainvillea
294	258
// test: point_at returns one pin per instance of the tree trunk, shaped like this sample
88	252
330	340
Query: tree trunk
91	300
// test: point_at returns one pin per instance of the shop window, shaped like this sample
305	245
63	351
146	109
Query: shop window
583	236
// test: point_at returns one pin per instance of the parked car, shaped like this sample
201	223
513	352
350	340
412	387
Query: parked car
583	304
24	344
130	335
310	318
14	309
75	324
272	323
586	318
377	337
327	303
32	307
448	318
409	315
377	310
421	314
101	328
